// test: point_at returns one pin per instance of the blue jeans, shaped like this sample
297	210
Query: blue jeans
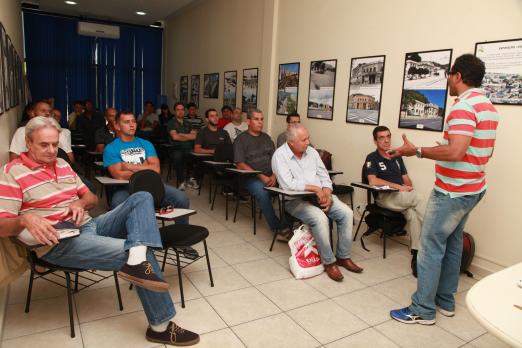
256	188
103	244
439	257
173	197
319	224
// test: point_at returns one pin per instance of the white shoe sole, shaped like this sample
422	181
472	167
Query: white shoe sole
418	321
446	313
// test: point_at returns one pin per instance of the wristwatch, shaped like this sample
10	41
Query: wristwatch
418	152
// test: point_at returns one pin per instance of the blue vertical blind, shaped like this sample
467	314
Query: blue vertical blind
122	73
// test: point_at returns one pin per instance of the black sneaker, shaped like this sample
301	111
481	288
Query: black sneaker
285	236
190	252
143	275
174	335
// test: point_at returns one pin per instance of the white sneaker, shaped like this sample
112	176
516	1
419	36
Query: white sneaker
193	184
182	186
445	312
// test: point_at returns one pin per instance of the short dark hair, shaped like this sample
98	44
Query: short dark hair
379	129
123	112
76	102
292	114
178	103
471	68
192	105
209	111
148	102
226	107
87	101
164	106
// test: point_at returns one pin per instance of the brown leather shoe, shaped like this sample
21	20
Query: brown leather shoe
333	272
349	265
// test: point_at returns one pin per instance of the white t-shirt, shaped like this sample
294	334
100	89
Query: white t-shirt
18	142
151	118
234	130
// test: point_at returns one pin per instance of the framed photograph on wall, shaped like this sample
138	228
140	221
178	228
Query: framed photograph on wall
365	90
249	94
183	89
229	88
211	85
424	90
10	71
503	79
5	65
287	88
194	89
2	90
322	89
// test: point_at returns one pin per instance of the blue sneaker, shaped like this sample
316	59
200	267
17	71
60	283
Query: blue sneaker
404	315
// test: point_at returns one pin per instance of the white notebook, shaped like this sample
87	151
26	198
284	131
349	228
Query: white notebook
27	238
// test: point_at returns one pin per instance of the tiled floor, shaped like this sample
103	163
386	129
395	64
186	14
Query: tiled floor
255	302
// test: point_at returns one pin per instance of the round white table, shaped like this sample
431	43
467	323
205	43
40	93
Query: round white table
492	302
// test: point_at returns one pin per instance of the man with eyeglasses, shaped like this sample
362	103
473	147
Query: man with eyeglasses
291	119
460	184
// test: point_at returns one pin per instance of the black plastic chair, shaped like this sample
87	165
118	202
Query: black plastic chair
388	221
41	269
176	237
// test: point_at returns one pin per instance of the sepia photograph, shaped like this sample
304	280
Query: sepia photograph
229	88
503	79
183	89
427	70
211	85
287	88
365	90
194	89
249	95
322	89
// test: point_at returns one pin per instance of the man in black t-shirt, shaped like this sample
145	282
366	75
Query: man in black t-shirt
253	150
208	137
381	169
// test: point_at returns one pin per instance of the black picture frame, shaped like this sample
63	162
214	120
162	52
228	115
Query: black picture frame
2	104
195	87
183	89
230	88
365	90
321	89
10	72
425	90
498	81
5	65
249	91
211	86
288	88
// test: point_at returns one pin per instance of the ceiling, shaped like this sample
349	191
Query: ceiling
115	10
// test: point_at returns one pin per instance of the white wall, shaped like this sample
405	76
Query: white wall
11	18
304	30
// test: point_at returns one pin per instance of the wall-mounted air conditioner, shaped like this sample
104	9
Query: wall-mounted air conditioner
99	30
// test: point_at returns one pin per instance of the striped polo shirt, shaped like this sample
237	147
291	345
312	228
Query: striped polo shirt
30	187
474	116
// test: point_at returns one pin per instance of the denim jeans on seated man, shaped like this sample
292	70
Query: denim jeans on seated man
439	257
257	189
319	224
104	242
173	197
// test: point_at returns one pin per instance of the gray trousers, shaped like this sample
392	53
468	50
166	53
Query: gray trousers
406	203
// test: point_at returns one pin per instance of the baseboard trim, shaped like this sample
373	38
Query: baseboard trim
3	307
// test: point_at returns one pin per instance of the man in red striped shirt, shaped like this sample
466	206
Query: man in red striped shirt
460	183
37	191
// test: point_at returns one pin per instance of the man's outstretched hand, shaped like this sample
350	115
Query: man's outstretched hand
407	149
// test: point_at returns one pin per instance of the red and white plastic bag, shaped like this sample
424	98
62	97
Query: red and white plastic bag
305	261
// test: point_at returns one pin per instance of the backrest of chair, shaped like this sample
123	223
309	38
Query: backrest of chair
224	153
148	181
326	157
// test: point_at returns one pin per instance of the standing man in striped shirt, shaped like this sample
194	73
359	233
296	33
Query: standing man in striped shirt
461	158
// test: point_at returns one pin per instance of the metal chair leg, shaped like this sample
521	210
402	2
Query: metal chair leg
180	279
273	241
237	207
164	260
254	214
214	198
76	282
29	292
118	293
208	264
69	300
360	222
